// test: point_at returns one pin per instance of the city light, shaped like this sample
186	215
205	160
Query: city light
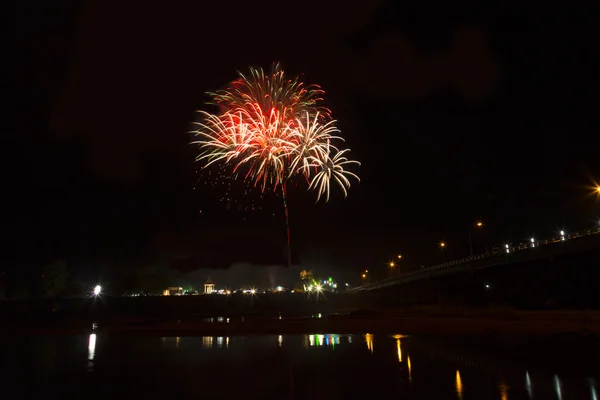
507	247
318	288
97	290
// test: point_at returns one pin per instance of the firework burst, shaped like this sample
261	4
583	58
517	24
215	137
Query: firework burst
273	128
269	129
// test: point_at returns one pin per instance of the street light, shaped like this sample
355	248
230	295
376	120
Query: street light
97	290
393	265
443	246
399	256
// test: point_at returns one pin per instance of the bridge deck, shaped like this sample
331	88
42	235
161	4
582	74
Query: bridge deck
524	252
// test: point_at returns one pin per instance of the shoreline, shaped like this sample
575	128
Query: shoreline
477	323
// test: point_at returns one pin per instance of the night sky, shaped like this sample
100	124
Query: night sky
456	114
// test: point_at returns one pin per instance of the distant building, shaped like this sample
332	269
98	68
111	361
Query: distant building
209	286
173	291
306	275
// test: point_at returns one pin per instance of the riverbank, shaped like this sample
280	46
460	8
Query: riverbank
415	322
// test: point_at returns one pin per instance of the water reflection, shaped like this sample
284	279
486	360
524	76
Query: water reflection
503	390
91	351
209	341
433	358
213	320
459	386
324	340
399	345
528	385
91	347
369	340
558	387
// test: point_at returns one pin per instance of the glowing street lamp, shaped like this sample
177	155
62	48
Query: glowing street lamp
532	242
478	224
97	290
562	235
399	256
392	265
442	244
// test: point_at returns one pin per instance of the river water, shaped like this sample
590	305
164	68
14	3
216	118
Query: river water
319	366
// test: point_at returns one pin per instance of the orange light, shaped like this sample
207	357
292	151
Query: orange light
479	224
442	244
392	265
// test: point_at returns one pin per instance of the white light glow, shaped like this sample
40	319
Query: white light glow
92	346
97	290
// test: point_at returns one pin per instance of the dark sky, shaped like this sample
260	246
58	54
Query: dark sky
455	113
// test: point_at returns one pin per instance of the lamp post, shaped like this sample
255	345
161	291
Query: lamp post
443	245
393	265
478	224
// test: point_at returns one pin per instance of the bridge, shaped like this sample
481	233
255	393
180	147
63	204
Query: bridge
500	256
561	272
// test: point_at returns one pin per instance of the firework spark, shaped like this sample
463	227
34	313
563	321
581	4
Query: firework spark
270	129
273	128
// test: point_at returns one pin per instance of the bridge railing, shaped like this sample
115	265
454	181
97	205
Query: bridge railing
496	252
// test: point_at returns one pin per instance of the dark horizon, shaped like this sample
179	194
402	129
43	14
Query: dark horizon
488	116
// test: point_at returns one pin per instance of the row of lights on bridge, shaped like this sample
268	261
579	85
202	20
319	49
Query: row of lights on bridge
478	224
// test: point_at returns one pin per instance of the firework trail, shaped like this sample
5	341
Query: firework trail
270	129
